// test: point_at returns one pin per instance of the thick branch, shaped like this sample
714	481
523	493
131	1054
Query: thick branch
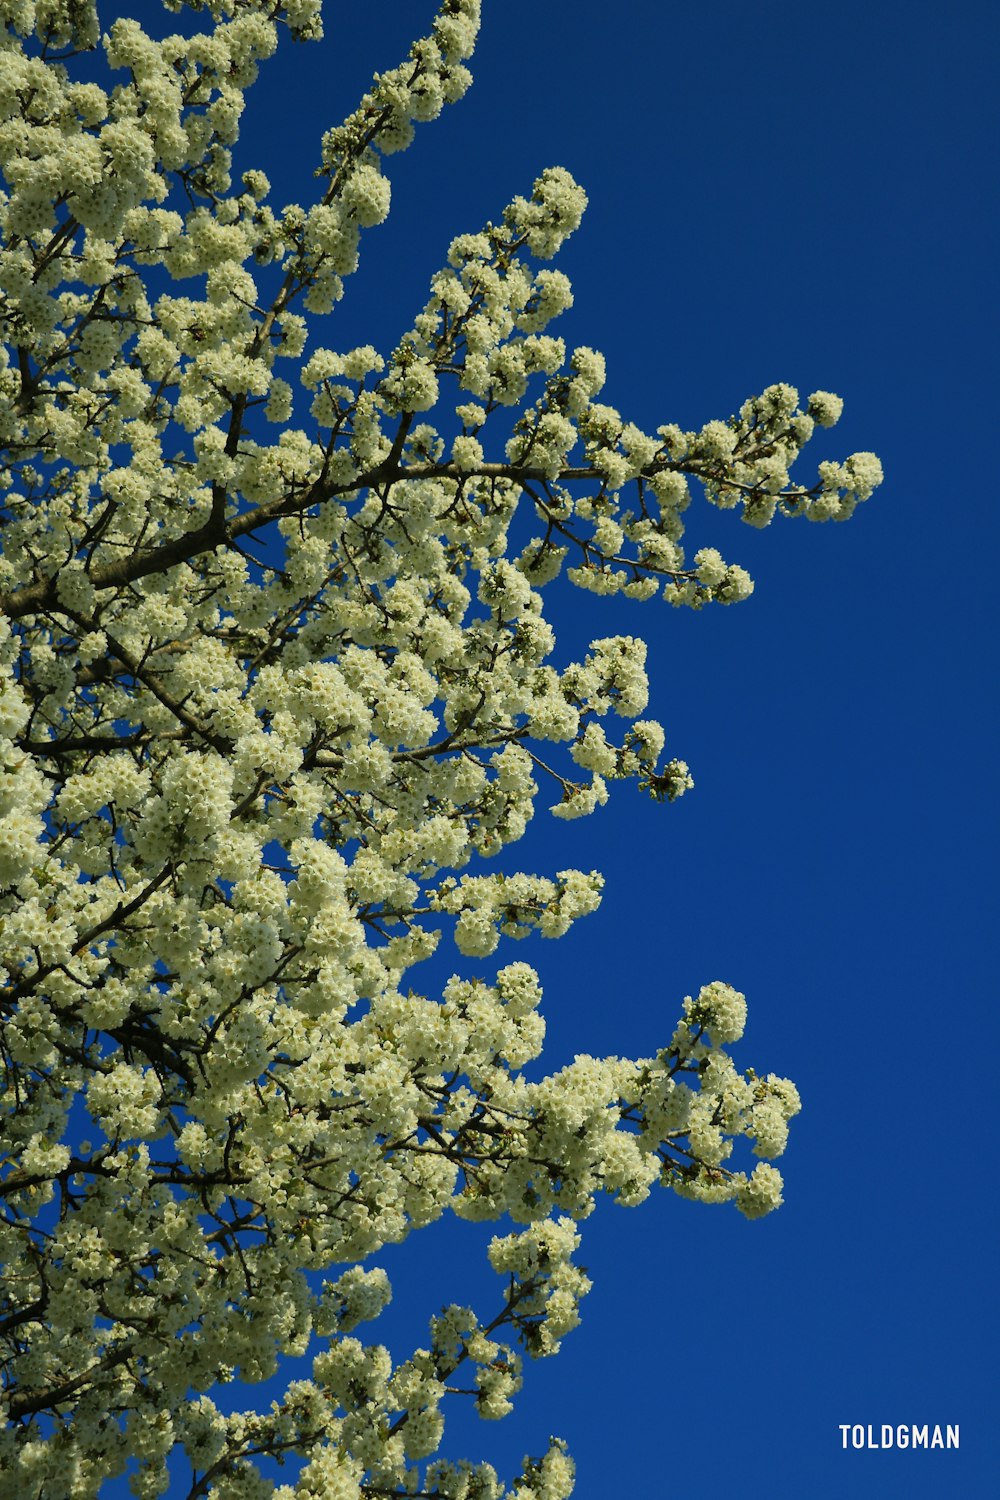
36	597
27	1406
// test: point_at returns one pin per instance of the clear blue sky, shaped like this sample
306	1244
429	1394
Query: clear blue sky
777	192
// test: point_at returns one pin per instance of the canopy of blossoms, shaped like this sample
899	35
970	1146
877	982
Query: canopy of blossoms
276	679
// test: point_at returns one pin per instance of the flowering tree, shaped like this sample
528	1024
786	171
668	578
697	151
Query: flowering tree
268	677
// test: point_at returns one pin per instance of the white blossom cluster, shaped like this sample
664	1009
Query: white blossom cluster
241	784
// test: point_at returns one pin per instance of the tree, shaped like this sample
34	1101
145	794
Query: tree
275	665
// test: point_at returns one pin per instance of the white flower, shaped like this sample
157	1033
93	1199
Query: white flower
761	1194
825	408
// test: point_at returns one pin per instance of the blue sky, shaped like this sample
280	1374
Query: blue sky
777	192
